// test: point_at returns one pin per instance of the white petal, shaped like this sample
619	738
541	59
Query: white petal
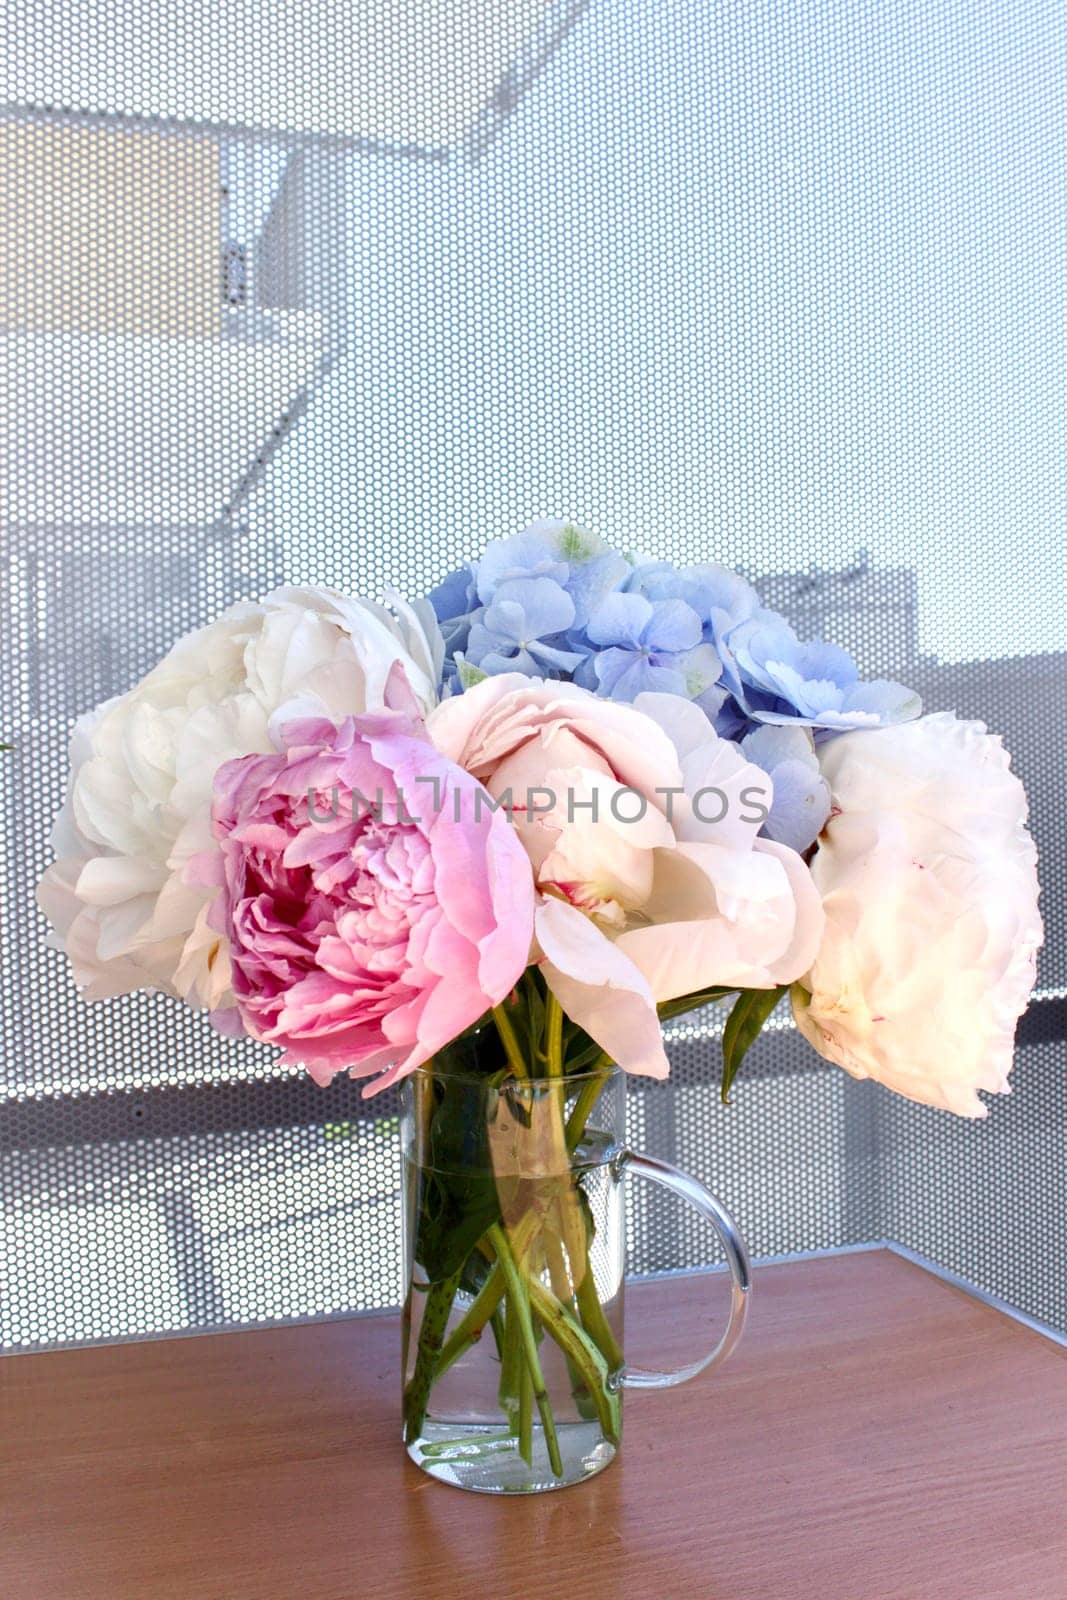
809	920
683	722
56	894
110	880
722	917
600	989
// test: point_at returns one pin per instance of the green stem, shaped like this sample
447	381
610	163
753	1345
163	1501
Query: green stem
511	1364
596	1323
439	1299
458	1449
587	1099
561	1288
554	1036
519	1304
557	1266
469	1329
526	1414
509	1041
589	1314
496	1324
582	1353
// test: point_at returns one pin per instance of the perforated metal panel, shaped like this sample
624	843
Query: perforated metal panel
316	294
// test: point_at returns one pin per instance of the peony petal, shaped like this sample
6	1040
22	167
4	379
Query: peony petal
809	919
496	717
747	921
929	885
144	765
505	950
600	989
58	899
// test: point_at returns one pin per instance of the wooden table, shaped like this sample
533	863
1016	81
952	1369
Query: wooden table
878	1435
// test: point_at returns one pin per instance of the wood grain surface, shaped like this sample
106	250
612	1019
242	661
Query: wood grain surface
879	1436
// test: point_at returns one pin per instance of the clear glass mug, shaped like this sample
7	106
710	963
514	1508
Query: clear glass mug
514	1251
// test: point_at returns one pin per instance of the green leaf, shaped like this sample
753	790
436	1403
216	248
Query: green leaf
690	1002
579	1050
478	1026
528	1020
584	1058
456	1197
750	1011
474	1272
475	1052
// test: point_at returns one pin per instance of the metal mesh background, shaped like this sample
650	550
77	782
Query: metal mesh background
337	293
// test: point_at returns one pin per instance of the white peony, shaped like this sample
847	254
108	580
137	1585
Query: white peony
929	883
138	805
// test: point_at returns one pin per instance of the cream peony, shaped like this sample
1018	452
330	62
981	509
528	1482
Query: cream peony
641	824
929	884
138	805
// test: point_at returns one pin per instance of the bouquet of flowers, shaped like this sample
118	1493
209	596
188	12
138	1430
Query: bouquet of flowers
498	836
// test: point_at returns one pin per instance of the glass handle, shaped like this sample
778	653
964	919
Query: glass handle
687	1188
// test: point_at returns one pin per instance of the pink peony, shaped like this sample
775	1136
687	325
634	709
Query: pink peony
368	927
138	806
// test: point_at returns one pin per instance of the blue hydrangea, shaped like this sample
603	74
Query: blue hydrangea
514	632
580	563
801	802
635	645
554	602
454	602
521	607
774	677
